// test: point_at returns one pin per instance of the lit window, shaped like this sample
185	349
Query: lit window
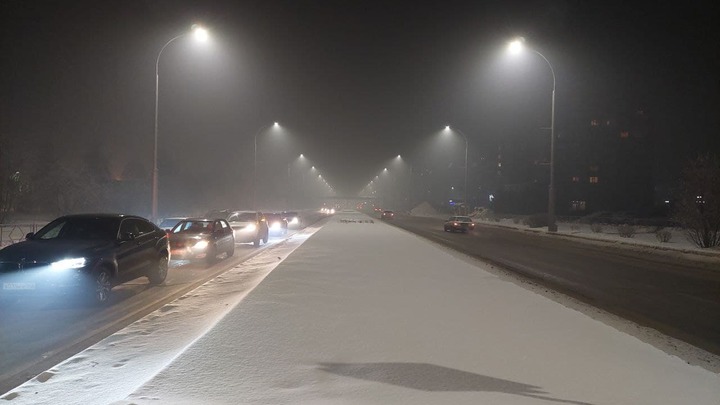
594	123
576	179
594	179
624	134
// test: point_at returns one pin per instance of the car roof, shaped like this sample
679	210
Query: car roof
102	215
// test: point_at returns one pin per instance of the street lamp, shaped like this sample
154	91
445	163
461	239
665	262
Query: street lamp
515	47
200	35
259	131
465	201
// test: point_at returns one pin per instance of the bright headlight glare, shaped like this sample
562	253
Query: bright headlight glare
250	228
294	220
275	225
201	245
65	264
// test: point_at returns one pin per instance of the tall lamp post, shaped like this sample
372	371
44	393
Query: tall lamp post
516	47
259	131
200	34
465	201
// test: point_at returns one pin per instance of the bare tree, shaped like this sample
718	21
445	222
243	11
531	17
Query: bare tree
12	181
698	208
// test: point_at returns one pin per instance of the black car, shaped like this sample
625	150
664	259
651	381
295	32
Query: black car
201	239
387	215
459	223
86	254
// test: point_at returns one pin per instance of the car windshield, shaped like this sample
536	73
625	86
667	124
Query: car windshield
247	217
193	227
461	219
217	214
169	222
83	228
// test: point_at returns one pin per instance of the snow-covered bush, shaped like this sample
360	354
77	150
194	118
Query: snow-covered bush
536	221
626	230
596	228
663	235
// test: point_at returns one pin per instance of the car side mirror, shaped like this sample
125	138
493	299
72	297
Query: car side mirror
30	236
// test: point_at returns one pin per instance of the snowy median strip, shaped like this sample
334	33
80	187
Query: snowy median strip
116	366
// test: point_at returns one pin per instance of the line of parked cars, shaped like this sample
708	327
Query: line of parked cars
89	254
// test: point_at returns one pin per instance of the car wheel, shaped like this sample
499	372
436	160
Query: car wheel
99	286
265	239
158	273
446	229
256	242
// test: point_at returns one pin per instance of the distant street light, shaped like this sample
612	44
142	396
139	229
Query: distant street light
515	47
465	201
254	180
200	35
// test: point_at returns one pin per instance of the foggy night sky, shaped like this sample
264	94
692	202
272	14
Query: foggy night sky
353	82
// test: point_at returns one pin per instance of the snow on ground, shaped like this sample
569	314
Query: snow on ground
644	238
367	313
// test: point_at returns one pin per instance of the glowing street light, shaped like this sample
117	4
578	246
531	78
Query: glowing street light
448	130
515	47
259	131
200	35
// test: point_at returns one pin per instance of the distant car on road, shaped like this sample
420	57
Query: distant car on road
277	224
387	215
459	224
201	239
248	226
87	254
167	224
293	219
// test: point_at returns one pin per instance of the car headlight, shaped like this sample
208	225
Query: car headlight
250	228
275	225
294	220
66	264
201	245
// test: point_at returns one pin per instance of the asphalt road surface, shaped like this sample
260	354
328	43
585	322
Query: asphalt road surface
678	296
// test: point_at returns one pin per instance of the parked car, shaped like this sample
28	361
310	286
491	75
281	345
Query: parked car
249	226
167	224
201	239
459	224
277	223
87	254
387	215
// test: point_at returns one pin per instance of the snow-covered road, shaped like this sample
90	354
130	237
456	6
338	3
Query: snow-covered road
366	313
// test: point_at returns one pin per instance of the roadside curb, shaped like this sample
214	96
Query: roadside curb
710	254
